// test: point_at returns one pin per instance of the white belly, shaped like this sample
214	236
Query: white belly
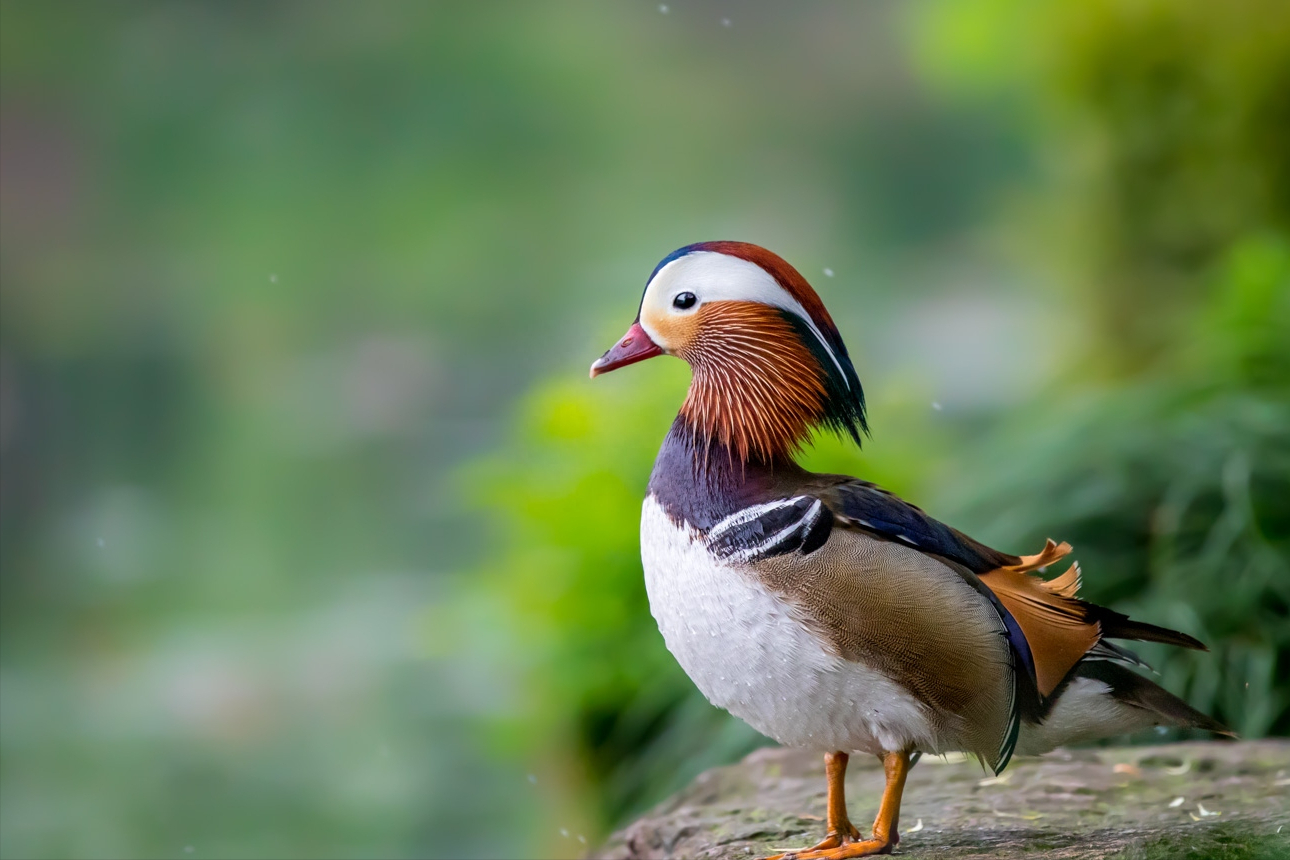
745	651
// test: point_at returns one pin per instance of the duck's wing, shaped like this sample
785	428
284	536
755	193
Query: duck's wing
840	542
1058	628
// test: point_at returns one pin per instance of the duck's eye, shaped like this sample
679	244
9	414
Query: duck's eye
684	301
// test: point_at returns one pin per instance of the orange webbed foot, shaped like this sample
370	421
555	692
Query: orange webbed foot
836	838
842	850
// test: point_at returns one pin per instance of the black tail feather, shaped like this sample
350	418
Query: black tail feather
1118	626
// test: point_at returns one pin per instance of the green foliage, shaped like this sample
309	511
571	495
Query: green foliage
1167	124
1182	113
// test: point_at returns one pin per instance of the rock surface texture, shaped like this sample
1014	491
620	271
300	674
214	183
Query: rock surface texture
1229	801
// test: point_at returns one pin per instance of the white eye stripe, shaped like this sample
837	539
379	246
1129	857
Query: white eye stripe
715	277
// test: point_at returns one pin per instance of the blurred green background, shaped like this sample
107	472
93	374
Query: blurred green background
317	542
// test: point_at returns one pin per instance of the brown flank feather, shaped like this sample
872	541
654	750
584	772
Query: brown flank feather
757	389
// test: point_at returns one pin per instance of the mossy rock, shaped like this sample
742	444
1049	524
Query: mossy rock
1120	802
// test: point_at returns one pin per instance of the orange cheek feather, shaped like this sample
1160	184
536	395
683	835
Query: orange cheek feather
757	389
673	332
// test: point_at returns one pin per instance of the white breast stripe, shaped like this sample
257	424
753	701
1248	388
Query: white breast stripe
751	552
726	541
749	514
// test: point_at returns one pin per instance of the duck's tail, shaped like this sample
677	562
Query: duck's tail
1104	699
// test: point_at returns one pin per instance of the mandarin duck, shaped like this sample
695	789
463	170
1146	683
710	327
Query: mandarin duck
828	613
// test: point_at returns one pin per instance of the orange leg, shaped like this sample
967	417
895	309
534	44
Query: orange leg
843	841
840	828
895	822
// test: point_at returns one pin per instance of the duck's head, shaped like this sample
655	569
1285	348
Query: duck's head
769	365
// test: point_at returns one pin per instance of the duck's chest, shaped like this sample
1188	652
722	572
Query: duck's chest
749	652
